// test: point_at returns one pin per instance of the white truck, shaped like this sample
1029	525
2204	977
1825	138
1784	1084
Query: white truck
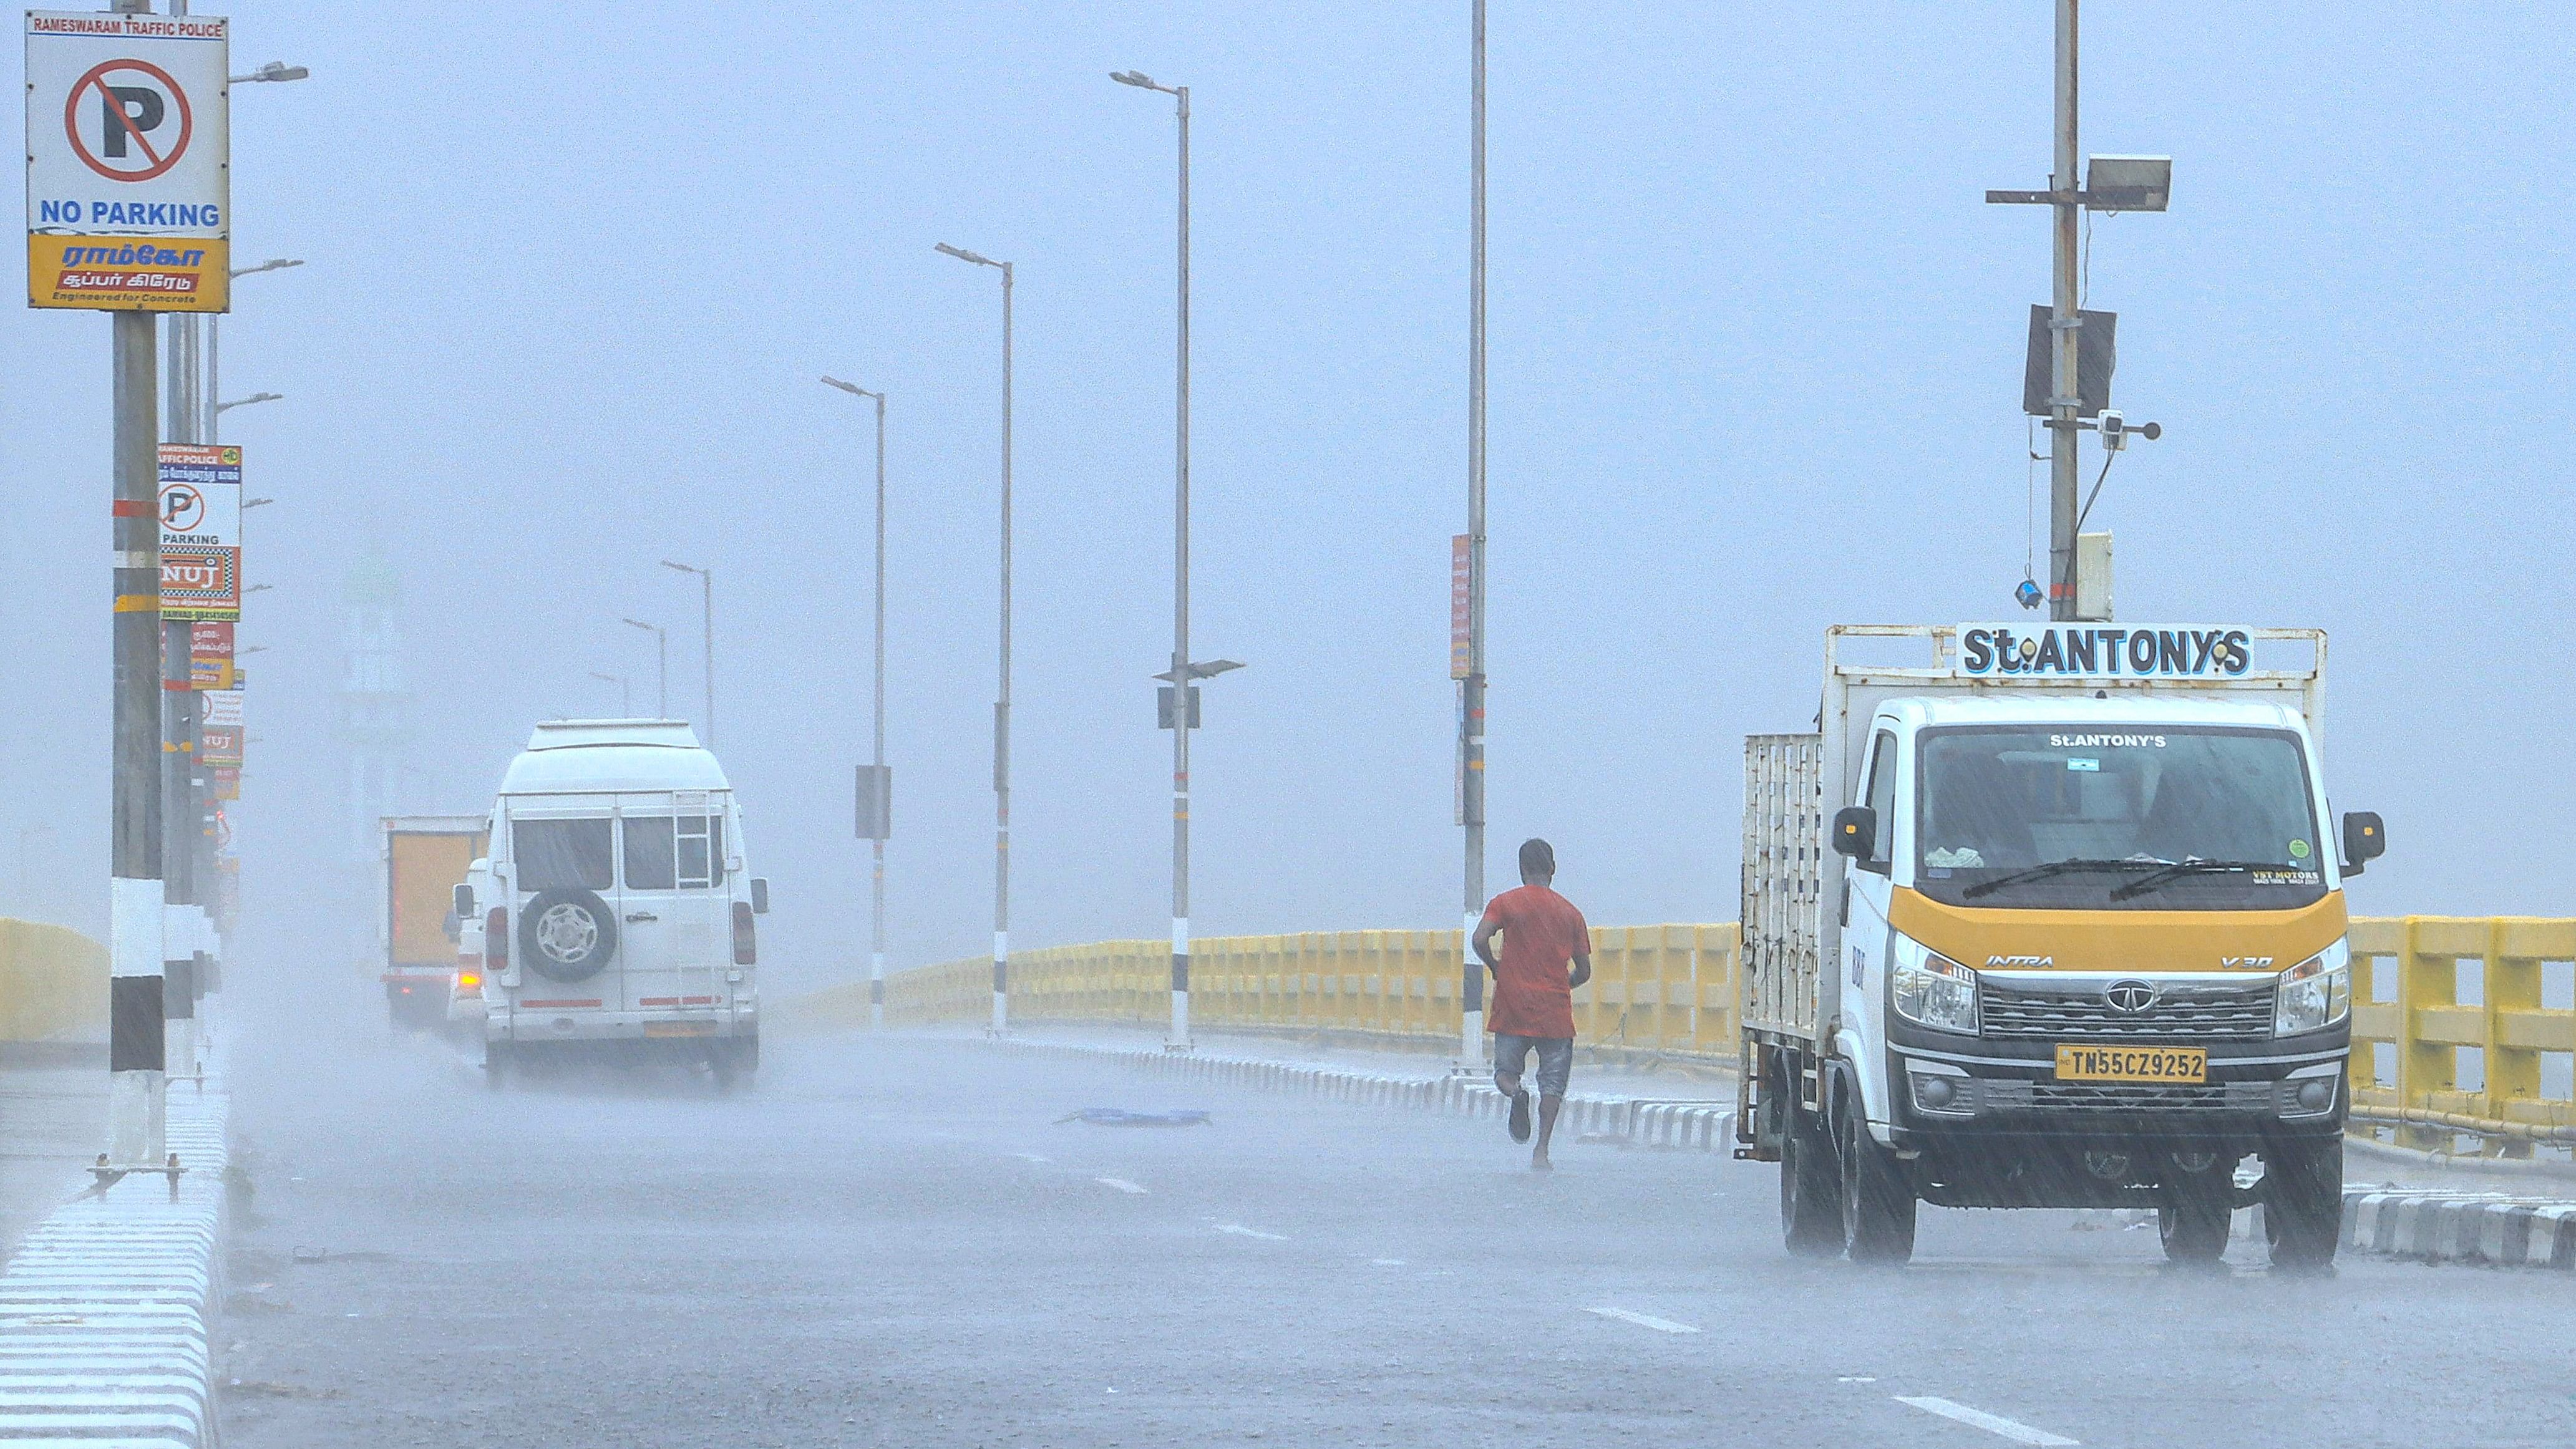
2049	919
619	924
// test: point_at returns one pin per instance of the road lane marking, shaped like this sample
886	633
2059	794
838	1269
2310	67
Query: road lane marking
1120	1183
1240	1231
1644	1320
1991	1423
1032	1157
1386	1262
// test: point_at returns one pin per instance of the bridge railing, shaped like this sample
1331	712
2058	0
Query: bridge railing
2461	1016
2451	1015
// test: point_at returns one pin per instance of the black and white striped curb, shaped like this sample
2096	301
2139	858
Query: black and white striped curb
1697	1125
2511	1232
104	1308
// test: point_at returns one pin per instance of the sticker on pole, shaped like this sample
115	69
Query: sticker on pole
201	531
129	178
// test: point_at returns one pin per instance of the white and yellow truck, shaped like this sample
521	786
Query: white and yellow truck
2047	915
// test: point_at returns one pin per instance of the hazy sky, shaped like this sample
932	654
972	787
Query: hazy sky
1756	361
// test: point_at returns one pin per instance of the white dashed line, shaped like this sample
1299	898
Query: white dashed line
1240	1231
1386	1262
1032	1157
1120	1183
1992	1423
1644	1320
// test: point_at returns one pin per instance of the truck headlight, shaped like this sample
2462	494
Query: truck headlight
2314	994
1935	991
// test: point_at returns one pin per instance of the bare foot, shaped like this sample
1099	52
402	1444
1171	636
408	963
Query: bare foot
1539	1163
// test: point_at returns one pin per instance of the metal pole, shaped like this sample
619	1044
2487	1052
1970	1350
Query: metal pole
876	883
206	394
2063	321
1002	713
1471	1027
662	671
1181	677
136	917
707	598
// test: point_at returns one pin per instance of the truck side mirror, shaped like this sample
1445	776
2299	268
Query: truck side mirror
1855	832
760	895
463	896
2365	839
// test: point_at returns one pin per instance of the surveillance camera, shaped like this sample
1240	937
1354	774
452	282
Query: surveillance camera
2115	431
2028	594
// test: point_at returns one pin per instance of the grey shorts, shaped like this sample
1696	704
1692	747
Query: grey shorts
1555	1059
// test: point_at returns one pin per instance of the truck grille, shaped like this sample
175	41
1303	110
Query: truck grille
2229	1012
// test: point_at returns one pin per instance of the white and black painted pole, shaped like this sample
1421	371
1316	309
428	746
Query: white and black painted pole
875	813
137	1052
1002	704
1471	701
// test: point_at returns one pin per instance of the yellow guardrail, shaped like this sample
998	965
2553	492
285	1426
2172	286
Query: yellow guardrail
53	984
2452	1017
2437	1001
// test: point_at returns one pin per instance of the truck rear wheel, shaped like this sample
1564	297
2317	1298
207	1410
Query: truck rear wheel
1811	1220
2303	1202
1878	1198
2193	1219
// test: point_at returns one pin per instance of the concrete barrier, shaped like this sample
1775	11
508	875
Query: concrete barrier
53	984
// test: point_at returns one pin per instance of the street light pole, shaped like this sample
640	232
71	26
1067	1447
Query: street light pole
625	696
1182	674
880	809
707	655
1001	705
661	666
2065	401
1471	724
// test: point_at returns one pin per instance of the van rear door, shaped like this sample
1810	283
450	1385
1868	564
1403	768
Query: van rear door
672	904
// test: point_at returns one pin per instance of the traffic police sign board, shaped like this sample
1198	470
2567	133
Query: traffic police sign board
129	168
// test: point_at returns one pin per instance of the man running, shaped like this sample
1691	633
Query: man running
1533	1007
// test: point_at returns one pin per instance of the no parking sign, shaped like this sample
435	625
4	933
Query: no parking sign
129	168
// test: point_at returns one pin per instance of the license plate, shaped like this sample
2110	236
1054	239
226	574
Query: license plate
2132	1064
705	1028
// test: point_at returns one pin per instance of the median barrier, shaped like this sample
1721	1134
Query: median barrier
2455	1019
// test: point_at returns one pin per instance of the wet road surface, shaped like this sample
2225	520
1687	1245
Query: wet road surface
893	1241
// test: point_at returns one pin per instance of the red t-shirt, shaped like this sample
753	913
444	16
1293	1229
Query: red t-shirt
1542	931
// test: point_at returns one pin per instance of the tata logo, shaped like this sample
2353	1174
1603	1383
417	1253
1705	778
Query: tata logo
2129	996
2244	963
2019	961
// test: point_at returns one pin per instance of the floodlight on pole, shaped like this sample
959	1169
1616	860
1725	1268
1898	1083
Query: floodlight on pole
707	599
662	665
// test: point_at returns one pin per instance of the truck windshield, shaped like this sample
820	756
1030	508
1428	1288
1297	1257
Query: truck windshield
2147	818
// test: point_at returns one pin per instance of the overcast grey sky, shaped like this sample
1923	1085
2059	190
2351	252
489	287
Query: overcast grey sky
1756	353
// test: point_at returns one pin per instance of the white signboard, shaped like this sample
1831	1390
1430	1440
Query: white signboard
201	496
129	161
220	709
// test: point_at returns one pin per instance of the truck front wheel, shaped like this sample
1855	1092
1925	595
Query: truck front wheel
1878	1197
1811	1220
2193	1218
2303	1202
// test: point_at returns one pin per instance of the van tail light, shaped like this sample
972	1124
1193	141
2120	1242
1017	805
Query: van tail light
468	984
496	939
746	949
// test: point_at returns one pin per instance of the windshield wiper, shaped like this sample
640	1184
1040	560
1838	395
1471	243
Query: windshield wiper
2193	866
2057	868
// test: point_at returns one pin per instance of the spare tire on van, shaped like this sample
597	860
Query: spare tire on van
567	933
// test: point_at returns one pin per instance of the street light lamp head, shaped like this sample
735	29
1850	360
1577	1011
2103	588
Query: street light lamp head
275	70
273	264
684	568
257	502
2128	183
963	255
243	402
848	387
1134	78
640	624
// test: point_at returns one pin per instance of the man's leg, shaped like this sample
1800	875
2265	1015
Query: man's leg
1555	1064
1511	1054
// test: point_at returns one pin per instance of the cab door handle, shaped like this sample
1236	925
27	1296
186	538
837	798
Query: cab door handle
642	916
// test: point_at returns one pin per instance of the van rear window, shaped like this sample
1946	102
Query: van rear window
663	853
562	853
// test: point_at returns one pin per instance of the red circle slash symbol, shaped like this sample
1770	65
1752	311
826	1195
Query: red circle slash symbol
182	508
125	115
